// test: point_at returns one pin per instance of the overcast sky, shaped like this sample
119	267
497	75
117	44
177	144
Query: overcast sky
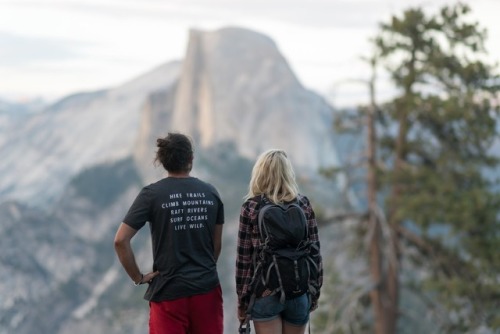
51	48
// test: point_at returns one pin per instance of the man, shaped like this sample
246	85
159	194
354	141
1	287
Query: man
185	216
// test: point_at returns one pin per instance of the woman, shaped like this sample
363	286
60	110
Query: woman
273	180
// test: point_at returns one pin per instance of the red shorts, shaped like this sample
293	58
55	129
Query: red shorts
198	314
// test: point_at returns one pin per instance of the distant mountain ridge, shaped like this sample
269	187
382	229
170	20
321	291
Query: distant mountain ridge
41	154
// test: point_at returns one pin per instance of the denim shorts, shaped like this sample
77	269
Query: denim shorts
294	311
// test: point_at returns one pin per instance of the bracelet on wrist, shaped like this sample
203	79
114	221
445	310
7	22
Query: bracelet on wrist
140	281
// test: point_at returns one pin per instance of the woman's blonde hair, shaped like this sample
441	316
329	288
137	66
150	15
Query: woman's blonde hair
273	176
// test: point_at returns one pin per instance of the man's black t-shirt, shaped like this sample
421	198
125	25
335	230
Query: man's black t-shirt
182	213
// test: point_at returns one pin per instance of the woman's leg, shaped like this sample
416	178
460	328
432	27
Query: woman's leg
293	329
268	327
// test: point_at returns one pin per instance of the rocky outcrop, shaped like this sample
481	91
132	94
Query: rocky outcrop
156	119
235	86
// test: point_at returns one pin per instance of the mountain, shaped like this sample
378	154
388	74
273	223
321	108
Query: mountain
71	170
41	154
236	87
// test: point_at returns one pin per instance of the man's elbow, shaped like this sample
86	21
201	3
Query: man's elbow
120	242
123	236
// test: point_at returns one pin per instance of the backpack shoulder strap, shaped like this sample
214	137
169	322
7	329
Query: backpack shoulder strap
296	204
265	205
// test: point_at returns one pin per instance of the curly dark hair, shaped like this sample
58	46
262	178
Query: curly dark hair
175	152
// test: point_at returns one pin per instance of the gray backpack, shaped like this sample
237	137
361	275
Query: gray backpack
283	263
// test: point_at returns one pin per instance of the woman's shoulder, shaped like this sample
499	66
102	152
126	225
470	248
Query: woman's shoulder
303	199
251	207
253	202
304	203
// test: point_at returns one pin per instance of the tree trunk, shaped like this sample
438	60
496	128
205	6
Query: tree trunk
392	279
378	292
392	282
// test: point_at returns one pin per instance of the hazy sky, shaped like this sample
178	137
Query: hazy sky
52	48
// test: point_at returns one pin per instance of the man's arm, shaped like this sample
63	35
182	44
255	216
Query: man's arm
123	249
217	240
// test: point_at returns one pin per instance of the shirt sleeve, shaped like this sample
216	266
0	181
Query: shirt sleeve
220	210
139	212
245	248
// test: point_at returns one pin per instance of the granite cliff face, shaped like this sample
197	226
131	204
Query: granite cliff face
236	92
70	171
235	86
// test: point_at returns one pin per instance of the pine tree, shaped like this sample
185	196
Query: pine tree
431	171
